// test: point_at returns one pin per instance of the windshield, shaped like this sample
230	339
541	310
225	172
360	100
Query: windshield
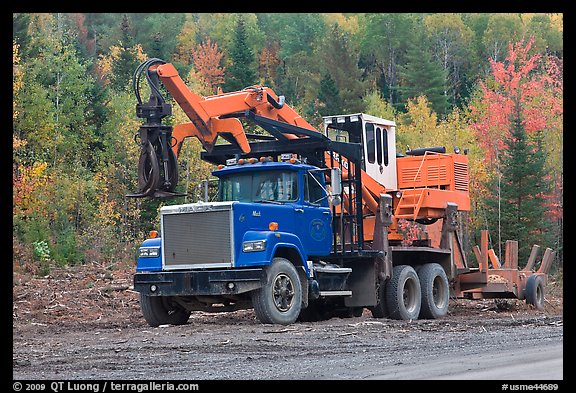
260	186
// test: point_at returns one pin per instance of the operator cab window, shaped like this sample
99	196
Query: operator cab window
370	143
338	135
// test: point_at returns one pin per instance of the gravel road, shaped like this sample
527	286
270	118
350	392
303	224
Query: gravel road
485	345
84	323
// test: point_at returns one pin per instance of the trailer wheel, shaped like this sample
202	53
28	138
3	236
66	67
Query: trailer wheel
403	294
160	310
534	291
435	291
279	301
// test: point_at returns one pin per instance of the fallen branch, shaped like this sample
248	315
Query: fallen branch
110	288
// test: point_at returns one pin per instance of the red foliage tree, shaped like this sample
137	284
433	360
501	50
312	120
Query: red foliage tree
207	63
536	82
79	20
537	85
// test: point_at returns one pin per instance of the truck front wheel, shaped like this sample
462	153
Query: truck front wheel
279	300
161	310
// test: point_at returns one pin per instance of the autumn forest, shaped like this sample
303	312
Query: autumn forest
490	83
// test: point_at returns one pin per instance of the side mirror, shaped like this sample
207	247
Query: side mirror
336	185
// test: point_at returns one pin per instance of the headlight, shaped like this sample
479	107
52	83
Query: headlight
253	246
149	252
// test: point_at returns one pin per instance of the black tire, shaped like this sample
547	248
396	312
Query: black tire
403	293
279	301
380	310
161	310
534	291
148	170
435	291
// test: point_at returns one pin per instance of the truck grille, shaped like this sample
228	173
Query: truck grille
197	239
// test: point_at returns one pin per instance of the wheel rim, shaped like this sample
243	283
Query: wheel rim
283	292
438	292
409	295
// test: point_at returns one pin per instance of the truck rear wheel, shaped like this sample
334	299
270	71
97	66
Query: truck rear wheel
403	293
435	291
161	310
279	301
534	292
380	310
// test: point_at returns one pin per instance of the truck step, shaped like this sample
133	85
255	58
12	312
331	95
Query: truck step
332	269
335	293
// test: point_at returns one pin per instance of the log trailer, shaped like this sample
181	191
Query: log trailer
307	224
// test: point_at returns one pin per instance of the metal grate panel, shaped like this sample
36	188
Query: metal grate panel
410	175
437	174
461	177
198	239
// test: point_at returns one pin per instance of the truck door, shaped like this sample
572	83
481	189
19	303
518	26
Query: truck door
380	153
313	217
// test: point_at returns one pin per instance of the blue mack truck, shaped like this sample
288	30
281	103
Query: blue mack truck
254	247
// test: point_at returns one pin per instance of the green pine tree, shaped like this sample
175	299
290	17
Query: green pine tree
523	189
329	97
340	58
423	76
123	68
242	72
20	24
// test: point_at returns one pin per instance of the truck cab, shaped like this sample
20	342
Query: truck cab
219	255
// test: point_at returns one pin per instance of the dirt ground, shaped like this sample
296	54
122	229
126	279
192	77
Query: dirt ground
85	323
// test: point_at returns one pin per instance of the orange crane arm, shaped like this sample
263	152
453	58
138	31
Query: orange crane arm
208	120
206	113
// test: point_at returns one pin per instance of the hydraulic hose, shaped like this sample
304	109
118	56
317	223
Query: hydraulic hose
143	67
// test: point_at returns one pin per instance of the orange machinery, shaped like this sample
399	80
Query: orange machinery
431	184
425	182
